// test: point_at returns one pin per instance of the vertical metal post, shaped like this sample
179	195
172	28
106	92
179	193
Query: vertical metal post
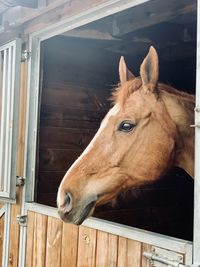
196	244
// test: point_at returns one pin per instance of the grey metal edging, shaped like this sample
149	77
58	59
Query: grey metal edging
132	233
17	70
10	157
196	248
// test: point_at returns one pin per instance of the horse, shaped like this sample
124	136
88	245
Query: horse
144	134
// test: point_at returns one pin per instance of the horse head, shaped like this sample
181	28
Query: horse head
135	144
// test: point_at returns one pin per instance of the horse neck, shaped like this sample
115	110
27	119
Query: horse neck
181	110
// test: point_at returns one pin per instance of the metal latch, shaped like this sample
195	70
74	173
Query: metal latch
161	258
25	55
20	181
22	220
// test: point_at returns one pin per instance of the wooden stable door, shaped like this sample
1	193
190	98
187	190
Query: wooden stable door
98	243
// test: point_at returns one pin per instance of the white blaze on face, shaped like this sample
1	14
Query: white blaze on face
112	112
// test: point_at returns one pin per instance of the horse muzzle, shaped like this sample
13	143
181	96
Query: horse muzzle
70	213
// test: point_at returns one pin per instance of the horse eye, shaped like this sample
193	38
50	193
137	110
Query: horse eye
126	126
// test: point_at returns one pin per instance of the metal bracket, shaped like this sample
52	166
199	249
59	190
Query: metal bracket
197	125
162	257
22	220
20	181
25	55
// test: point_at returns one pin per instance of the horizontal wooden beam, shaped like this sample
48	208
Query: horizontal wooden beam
151	13
91	34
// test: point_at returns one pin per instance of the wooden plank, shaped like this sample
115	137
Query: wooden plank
129	253
15	230
106	254
91	34
65	138
69	245
63	11
54	241
158	11
40	235
62	116
122	250
22	118
2	220
57	159
86	247
74	98
30	239
145	261
53	178
134	250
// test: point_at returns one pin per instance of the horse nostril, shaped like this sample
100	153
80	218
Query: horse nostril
67	203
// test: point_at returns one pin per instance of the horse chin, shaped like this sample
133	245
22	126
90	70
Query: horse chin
78	215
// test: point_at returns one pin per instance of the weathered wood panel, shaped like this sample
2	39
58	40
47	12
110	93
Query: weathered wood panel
106	255
53	243
69	245
86	247
40	235
30	239
71	97
126	257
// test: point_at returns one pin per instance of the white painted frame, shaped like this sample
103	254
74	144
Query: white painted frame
10	58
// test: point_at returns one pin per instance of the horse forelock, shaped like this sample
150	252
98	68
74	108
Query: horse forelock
122	93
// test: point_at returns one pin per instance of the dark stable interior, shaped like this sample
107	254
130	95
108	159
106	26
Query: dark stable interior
79	70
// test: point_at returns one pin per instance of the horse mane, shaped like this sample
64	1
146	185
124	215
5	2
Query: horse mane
121	93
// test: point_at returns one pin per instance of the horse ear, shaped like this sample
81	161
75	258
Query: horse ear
149	71
124	73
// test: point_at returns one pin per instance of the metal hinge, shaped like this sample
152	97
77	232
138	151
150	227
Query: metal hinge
20	181
161	258
25	55
22	220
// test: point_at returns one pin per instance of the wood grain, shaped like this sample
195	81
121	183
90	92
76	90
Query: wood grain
73	97
30	239
86	247
106	251
134	250
57	159
40	235
129	253
54	242
65	138
69	245
145	261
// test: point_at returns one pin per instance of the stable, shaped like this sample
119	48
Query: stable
59	65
